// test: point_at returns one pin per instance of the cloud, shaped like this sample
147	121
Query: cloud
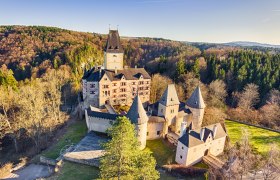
276	10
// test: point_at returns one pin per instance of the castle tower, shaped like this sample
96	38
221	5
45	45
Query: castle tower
196	104
139	118
113	52
168	106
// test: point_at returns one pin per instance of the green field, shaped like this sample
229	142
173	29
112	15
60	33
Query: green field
259	138
75	132
73	171
162	151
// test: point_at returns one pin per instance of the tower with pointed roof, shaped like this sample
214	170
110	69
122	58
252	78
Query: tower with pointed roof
168	106
139	118
196	104
113	52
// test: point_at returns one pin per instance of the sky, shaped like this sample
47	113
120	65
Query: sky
184	20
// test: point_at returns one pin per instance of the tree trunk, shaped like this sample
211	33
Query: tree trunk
15	143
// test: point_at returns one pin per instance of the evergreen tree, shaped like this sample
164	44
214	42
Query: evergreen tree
181	67
195	68
123	158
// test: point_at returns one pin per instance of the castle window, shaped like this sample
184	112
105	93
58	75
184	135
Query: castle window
181	156
115	84
92	92
133	83
147	82
92	86
105	79
123	84
147	133
105	86
158	132
114	55
114	90
182	147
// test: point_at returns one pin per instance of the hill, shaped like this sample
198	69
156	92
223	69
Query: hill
30	50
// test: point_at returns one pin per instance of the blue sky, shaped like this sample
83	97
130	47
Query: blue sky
185	20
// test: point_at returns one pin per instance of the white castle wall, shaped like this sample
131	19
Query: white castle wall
153	128
195	154
141	130
97	124
113	60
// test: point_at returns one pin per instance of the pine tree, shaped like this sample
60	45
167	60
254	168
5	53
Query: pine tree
195	68
123	158
180	68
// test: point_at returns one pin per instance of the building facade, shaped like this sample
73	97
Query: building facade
113	83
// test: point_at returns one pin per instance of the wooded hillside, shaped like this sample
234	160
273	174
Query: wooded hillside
236	82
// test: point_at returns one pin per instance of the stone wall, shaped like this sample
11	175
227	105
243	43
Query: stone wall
98	124
154	130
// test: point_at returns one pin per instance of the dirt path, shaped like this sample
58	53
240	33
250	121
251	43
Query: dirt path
31	172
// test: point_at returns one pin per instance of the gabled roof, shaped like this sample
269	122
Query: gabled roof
192	138
196	100
137	113
113	44
169	97
129	74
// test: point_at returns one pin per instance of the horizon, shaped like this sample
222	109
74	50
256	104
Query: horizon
190	21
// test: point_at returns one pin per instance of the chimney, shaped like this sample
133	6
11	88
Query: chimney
135	66
116	71
215	130
183	128
202	133
100	73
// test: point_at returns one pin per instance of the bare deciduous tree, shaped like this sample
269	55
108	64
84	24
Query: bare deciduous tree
270	166
217	93
249	97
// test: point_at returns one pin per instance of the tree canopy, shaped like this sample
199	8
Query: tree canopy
123	159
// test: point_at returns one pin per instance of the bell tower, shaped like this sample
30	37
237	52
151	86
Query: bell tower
113	52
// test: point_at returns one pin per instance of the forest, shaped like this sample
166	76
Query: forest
42	67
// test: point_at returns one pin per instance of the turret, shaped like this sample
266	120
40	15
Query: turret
168	106
139	118
196	104
113	52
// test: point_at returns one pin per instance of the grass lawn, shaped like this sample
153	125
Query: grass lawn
73	171
260	138
75	132
162	151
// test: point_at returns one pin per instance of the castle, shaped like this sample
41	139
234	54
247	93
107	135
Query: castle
167	118
114	83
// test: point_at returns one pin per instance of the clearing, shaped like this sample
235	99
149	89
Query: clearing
259	138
